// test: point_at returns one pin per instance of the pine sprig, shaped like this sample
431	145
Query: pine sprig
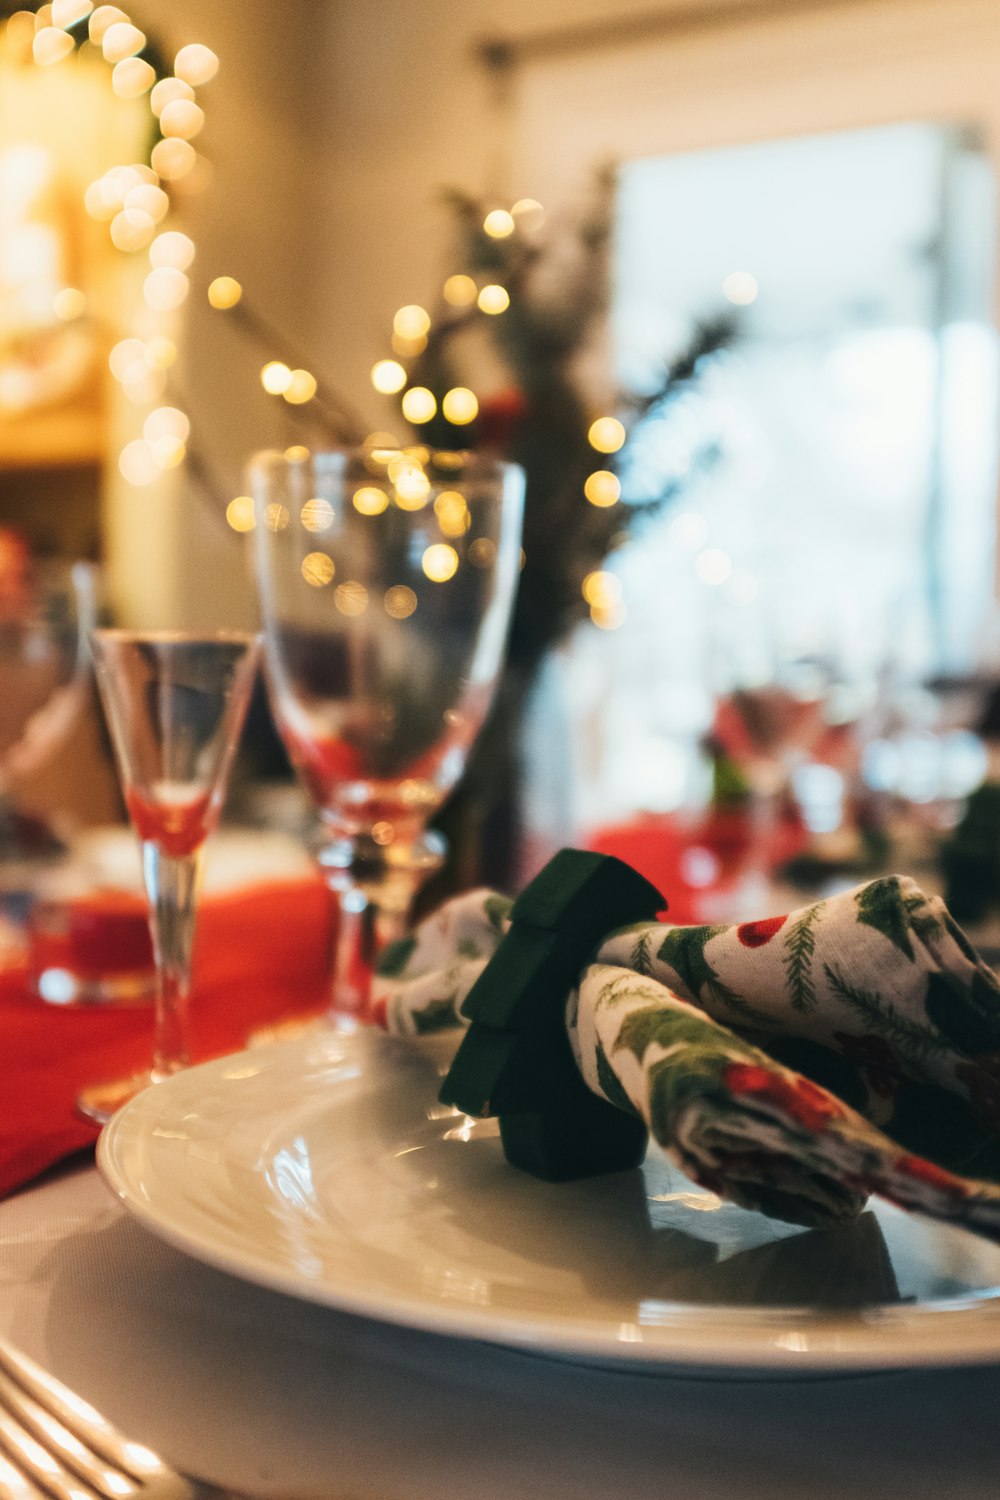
800	946
639	959
915	1041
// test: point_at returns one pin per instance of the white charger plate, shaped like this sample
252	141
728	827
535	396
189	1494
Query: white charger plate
325	1168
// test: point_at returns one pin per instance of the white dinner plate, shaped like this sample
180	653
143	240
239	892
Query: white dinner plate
325	1168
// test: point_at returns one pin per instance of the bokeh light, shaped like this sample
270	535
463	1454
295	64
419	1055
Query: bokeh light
482	552
132	77
439	562
400	601
606	434
351	598
165	288
239	513
452	513
498	224
411	322
460	290
166	91
181	118
602	488
172	249
224	291
317	515
460	405
301	388
318	569
740	288
196	64
276	377
493	299
69	303
419	404
370	500
388	376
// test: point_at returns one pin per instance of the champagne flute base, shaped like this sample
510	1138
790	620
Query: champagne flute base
99	1101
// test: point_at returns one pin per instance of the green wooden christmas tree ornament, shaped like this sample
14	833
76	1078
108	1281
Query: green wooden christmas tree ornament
515	1060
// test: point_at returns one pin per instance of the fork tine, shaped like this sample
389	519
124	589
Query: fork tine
70	1432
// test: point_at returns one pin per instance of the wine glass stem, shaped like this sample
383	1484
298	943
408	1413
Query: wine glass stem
171	885
362	928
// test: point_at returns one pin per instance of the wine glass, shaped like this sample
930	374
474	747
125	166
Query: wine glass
386	579
175	705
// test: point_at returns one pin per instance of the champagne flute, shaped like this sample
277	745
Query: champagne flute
386	579
175	705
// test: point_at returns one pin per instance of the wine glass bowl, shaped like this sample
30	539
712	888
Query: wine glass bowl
386	579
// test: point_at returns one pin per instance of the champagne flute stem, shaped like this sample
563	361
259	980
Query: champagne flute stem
171	886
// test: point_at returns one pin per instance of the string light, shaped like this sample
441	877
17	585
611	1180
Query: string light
459	405
239	513
132	77
439	562
452	513
499	224
51	45
318	569
276	377
196	64
369	500
606	434
460	290
224	292
66	13
165	288
301	388
122	40
388	376
602	488
131	229
172	158
411	322
148	199
166	91
412	487
172	249
102	19
182	118
419	404
493	299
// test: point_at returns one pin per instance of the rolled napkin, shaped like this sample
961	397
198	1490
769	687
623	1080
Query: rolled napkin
794	1065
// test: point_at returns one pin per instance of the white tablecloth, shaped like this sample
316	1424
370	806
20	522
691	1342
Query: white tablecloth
278	1398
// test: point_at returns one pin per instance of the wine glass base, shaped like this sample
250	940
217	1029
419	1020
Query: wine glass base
100	1101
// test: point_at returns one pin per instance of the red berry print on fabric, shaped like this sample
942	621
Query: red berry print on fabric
756	934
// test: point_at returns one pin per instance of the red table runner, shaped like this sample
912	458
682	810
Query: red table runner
259	954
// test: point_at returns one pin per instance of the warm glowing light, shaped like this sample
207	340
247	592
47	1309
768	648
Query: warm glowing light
161	352
482	552
388	376
182	118
125	355
370	500
602	488
412	485
493	299
528	213
276	516
165	288
172	249
166	91
606	435
408	348
51	45
460	405
301	388
196	64
317	515
276	377
100	200
172	159
132	77
66	13
419	404
460	291
399	601
69	303
452	513
143	384
137	464
608	617
148	199
239	513
351	598
381	445
601	588
498	224
439	562
122	40
740	288
411	322
168	452
166	422
131	229
224	292
318	569
104	17
713	566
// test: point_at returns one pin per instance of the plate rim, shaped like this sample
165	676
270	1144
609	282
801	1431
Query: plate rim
700	1337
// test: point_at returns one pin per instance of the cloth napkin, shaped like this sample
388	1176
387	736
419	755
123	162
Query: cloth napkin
793	1065
260	954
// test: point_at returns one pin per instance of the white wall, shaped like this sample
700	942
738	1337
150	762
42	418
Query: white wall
333	126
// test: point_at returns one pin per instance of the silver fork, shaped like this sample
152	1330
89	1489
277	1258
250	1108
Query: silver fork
55	1446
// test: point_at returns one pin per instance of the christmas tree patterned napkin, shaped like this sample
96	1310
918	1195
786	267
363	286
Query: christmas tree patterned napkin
794	1065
